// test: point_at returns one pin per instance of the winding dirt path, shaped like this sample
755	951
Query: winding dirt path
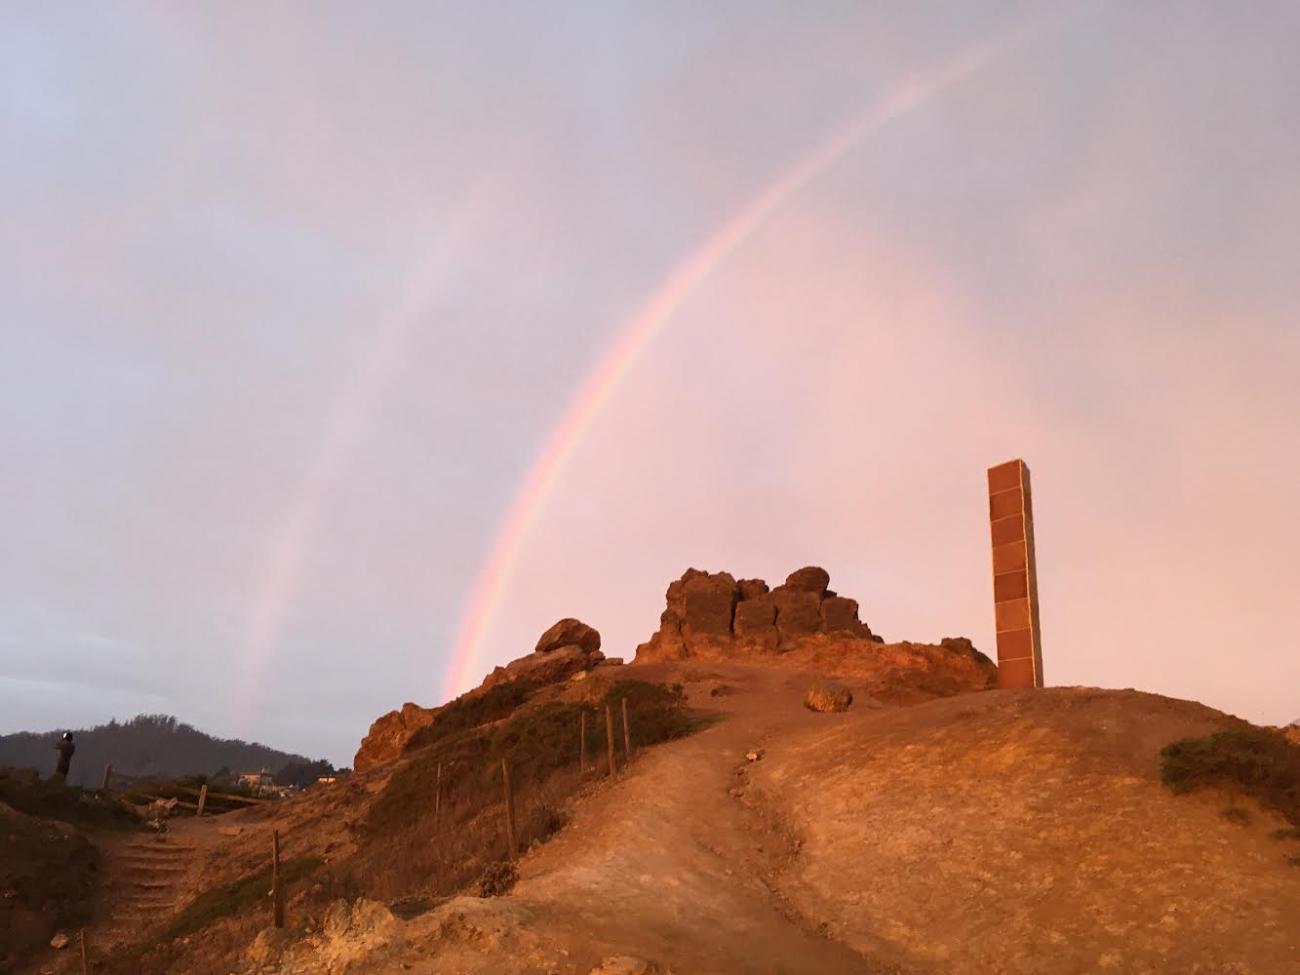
676	864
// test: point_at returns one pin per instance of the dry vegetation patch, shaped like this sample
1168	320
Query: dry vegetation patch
414	846
1258	762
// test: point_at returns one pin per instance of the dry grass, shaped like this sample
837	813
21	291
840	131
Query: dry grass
412	854
1258	762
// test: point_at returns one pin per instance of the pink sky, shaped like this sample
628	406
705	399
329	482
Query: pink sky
292	306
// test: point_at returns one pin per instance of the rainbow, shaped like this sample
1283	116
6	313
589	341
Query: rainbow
635	335
282	572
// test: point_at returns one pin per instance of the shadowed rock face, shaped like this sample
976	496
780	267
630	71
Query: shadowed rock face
389	734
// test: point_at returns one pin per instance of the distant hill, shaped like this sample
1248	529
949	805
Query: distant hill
148	744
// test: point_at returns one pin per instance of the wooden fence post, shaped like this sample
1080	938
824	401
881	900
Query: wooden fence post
277	890
609	737
510	811
627	736
85	966
582	741
108	777
203	799
437	798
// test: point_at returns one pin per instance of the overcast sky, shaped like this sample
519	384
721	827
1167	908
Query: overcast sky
292	296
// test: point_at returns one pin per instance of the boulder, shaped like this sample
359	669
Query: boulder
839	613
828	695
798	612
709	600
389	734
552	666
755	613
755	623
675	597
752	588
568	632
811	578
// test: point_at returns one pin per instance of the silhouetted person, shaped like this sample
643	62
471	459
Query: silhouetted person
65	748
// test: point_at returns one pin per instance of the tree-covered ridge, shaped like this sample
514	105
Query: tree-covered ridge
148	744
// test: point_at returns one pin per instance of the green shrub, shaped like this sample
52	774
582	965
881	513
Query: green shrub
1255	761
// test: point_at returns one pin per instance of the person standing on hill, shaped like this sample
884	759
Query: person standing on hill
65	748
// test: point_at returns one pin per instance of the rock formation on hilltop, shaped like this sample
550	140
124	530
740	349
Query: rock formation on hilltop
802	624
710	613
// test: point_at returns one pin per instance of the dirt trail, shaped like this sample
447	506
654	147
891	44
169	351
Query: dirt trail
674	863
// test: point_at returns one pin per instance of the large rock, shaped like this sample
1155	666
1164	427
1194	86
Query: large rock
568	632
389	734
755	623
550	666
811	578
798	612
839	613
828	695
708	602
752	588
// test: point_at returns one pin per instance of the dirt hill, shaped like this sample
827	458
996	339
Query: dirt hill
934	826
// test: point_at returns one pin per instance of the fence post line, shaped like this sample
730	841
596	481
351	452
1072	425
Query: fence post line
510	811
108	777
277	890
627	736
582	740
203	799
437	798
609	737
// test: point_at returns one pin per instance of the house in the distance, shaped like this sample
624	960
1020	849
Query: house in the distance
259	783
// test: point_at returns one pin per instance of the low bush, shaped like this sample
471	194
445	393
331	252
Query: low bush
1258	762
497	879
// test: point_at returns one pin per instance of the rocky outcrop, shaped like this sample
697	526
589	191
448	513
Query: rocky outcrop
389	734
711	614
802	624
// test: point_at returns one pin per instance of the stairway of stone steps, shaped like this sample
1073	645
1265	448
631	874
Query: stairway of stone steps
146	886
